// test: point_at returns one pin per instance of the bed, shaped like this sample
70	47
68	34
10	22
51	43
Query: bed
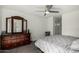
56	44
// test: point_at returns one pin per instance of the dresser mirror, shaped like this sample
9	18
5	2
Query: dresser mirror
16	24
9	26
25	26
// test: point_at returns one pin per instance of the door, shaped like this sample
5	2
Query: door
57	25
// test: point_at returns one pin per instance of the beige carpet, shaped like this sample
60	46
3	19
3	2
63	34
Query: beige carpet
23	49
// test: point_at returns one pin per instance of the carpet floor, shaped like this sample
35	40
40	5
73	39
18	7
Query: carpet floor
23	49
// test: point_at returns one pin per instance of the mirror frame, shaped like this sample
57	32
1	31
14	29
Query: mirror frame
12	23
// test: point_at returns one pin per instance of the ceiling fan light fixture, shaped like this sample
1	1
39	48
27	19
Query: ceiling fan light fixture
47	12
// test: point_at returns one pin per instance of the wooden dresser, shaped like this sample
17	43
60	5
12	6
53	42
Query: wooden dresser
14	39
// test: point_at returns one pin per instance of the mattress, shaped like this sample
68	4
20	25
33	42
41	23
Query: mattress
56	44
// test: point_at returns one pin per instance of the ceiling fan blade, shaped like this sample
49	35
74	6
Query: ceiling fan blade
54	11
40	11
49	6
49	9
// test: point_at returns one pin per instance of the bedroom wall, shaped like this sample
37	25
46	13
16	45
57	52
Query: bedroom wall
36	24
0	19
50	24
70	23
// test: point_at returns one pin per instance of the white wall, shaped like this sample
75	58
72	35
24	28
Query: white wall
50	24
70	23
35	24
0	19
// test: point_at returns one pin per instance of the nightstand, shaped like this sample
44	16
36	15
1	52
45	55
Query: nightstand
47	33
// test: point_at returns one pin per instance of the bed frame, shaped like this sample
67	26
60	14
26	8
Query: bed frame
40	50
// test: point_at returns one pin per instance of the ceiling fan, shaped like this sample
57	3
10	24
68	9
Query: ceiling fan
48	9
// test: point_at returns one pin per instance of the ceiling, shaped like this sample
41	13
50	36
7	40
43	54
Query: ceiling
32	9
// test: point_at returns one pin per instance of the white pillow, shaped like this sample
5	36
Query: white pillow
75	45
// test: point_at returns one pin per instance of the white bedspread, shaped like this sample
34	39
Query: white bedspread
55	44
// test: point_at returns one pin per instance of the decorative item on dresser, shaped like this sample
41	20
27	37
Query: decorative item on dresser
16	33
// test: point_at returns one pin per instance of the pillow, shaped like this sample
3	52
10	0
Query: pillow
75	45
